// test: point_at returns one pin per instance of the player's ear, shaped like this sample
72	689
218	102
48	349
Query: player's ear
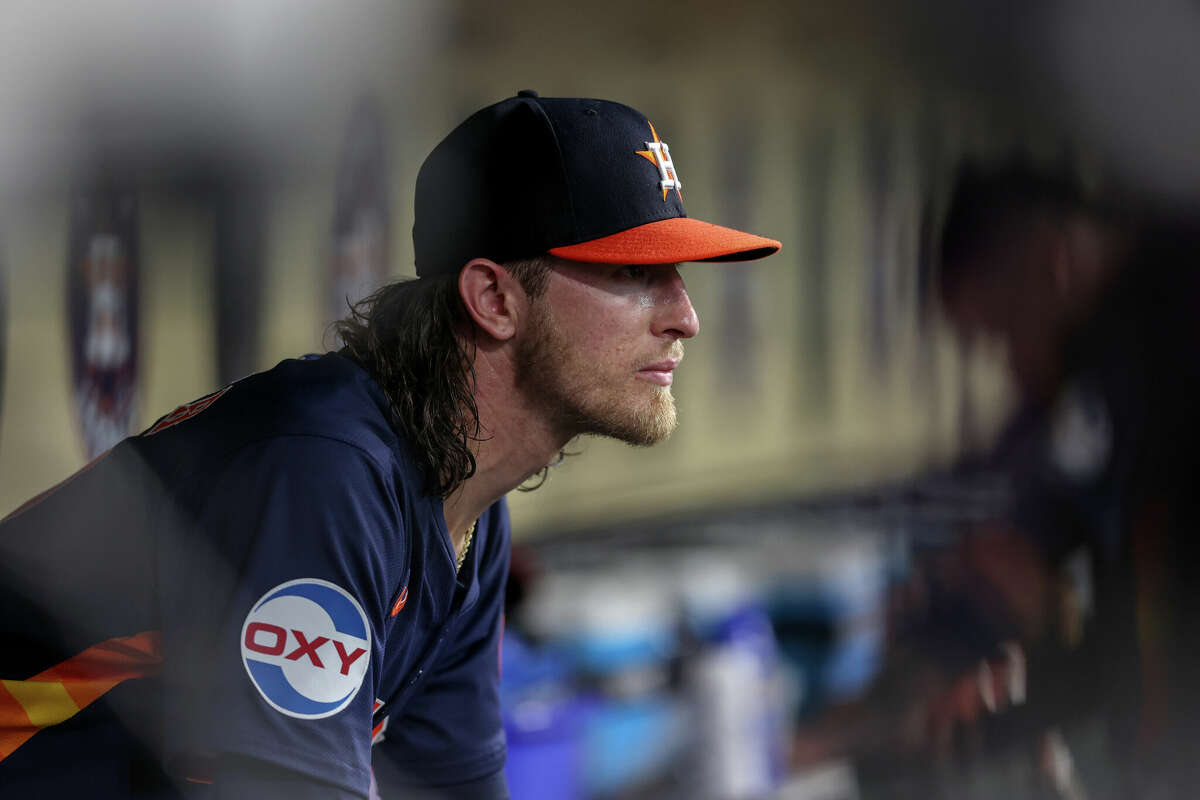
493	298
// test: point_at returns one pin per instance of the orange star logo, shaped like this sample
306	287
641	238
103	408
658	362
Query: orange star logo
658	154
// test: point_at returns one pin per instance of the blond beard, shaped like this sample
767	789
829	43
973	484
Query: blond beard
579	400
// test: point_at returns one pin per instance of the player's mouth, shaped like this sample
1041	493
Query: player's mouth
660	372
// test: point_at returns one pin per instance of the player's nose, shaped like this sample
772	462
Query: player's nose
677	318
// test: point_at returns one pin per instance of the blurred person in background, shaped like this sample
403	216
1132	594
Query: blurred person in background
1094	302
244	599
1068	609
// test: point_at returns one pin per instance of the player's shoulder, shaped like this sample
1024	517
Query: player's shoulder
328	395
325	397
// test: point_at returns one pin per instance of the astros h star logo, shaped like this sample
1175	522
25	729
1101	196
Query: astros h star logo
658	154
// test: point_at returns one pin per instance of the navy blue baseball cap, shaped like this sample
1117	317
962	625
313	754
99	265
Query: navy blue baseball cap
583	180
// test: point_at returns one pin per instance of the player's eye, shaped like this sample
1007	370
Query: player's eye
635	272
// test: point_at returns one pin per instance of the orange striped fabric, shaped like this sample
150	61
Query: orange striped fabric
59	693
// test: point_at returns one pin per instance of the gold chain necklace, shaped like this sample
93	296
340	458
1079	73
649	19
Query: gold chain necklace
466	547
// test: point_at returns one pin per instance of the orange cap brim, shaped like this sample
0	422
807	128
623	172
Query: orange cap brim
671	241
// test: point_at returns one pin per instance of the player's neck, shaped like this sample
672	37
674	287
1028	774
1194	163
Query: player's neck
515	442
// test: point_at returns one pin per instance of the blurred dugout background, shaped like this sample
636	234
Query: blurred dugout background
182	185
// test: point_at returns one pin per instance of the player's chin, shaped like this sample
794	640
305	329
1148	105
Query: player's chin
655	423
641	418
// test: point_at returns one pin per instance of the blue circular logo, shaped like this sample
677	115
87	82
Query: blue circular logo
306	645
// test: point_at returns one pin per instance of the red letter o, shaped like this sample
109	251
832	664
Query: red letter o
279	633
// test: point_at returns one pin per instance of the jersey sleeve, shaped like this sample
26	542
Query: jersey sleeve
272	616
451	734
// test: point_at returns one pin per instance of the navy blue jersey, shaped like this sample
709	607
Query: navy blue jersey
250	594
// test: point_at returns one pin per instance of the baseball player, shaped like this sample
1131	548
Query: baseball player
242	600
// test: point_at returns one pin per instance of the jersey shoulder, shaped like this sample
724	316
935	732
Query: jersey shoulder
328	396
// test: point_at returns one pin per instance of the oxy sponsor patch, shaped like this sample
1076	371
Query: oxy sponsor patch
306	645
